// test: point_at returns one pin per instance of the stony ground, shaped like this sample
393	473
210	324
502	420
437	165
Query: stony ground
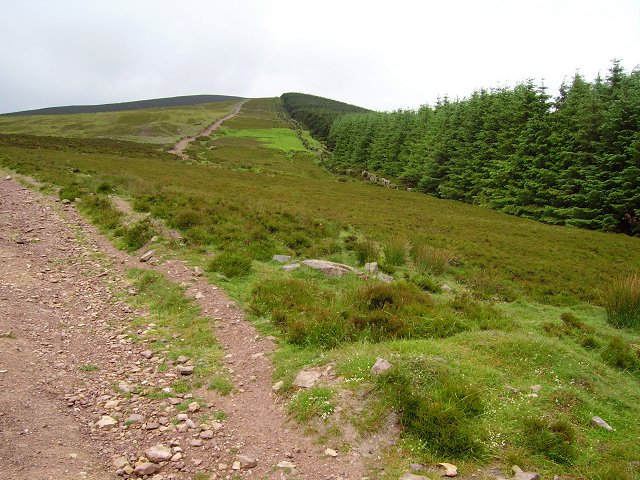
71	377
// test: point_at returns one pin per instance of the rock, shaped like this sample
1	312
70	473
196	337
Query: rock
416	467
185	369
147	256
413	476
182	359
332	269
198	272
446	288
134	418
206	434
8	177
65	201
176	457
371	267
536	388
291	267
246	462
380	366
146	468
384	277
281	258
599	422
450	469
158	453
306	379
107	422
511	389
147	354
152	426
277	386
120	462
174	401
199	295
286	464
196	442
330	452
194	407
111	404
521	475
236	465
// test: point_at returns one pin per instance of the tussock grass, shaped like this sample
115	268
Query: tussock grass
622	302
395	251
437	261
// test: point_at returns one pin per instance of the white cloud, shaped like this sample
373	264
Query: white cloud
377	54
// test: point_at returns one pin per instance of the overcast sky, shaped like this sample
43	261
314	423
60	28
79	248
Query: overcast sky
379	54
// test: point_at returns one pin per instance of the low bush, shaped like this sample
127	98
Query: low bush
187	217
426	283
622	302
101	211
554	439
137	235
230	264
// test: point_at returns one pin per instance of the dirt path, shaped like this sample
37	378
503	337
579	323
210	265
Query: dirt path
69	367
182	145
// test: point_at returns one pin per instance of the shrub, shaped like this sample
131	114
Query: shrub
137	235
104	187
366	251
395	251
554	439
427	259
187	218
230	264
622	302
71	192
198	236
620	354
101	211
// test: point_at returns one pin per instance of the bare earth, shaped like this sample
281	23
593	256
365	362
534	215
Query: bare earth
69	347
182	145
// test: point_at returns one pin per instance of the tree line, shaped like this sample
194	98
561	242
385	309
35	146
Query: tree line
569	160
316	113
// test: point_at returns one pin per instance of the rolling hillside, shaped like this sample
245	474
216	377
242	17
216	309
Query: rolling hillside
499	330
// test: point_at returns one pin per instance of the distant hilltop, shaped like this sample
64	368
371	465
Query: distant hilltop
137	105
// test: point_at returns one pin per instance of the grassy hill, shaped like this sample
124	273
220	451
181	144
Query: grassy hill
181	101
483	305
149	122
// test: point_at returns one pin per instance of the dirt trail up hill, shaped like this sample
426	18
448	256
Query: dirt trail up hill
70	374
182	145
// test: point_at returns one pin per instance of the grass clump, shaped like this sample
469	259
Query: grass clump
439	411
622	302
221	384
230	264
395	251
186	218
554	439
137	235
311	403
437	261
622	355
366	251
88	367
100	209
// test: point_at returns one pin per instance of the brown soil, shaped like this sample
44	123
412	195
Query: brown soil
69	347
182	145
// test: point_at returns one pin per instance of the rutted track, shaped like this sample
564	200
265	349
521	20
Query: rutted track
182	145
57	302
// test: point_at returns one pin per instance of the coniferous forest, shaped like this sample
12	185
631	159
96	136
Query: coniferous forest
570	160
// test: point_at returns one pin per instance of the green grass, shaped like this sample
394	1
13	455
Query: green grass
311	403
88	367
154	125
622	302
525	305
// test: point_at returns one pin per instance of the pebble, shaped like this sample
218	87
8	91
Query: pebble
107	422
147	354
158	453
330	452
247	462
599	422
146	468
